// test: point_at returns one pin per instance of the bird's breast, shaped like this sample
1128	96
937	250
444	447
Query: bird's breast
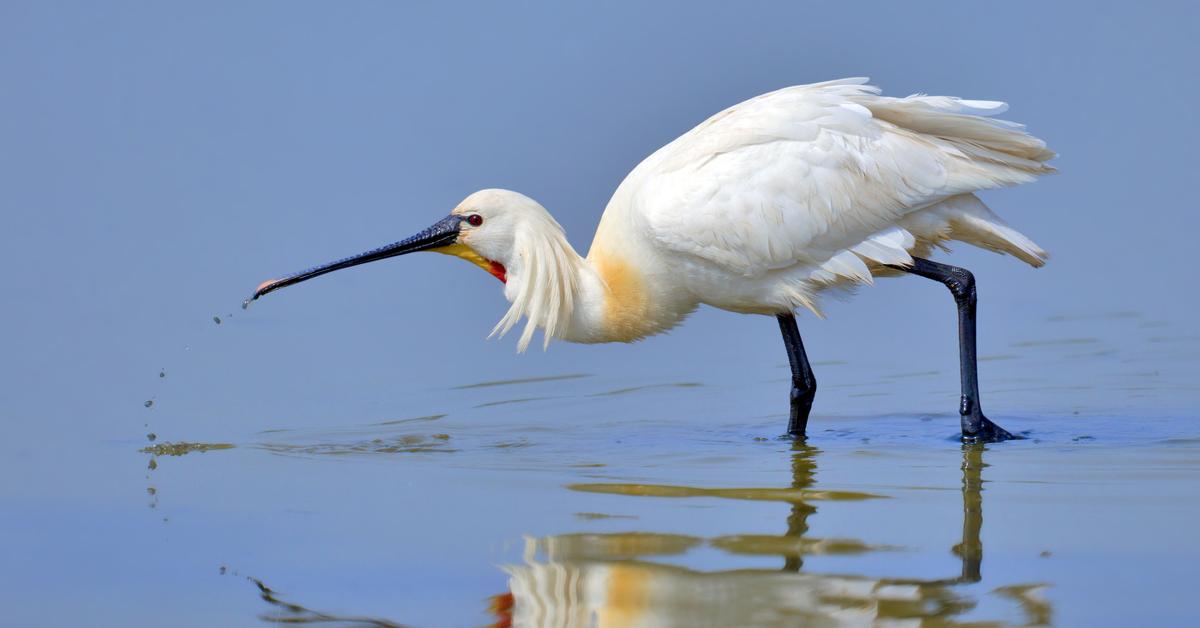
625	302
633	298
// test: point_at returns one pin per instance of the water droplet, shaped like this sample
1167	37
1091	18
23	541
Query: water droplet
162	374
149	403
246	304
152	437
217	320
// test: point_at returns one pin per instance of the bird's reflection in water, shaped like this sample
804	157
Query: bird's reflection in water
611	579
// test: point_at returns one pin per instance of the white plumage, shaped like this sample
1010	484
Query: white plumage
810	186
759	209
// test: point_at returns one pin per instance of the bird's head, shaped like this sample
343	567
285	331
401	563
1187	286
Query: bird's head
483	229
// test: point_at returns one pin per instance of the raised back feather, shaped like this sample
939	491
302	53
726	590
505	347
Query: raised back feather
820	176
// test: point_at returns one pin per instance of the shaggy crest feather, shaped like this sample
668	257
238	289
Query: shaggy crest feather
546	276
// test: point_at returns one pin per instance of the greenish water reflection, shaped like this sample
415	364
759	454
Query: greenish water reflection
624	578
612	579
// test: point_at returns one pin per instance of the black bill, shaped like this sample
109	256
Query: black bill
443	233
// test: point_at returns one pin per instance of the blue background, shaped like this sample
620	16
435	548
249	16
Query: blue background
159	159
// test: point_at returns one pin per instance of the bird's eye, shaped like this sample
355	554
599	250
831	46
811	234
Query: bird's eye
475	220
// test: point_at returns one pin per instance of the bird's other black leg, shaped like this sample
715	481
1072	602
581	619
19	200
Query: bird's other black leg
976	428
804	385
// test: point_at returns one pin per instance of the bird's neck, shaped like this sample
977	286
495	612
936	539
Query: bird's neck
616	294
615	302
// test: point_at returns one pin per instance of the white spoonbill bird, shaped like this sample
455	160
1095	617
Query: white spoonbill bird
759	210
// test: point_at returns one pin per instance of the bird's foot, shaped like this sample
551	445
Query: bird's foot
979	429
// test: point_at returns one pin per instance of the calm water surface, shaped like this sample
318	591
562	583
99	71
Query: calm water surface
579	498
353	450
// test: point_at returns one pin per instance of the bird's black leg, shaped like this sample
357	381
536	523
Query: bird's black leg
804	385
976	428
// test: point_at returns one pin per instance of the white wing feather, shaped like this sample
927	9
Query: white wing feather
820	175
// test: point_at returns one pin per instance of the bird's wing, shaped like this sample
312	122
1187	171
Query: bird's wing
820	174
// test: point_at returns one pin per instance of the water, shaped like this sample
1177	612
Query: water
353	449
558	498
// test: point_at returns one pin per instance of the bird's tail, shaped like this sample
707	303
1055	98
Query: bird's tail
998	150
965	218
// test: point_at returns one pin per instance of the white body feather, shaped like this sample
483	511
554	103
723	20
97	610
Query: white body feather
768	203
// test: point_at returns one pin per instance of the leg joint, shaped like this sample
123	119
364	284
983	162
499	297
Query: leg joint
961	283
804	386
